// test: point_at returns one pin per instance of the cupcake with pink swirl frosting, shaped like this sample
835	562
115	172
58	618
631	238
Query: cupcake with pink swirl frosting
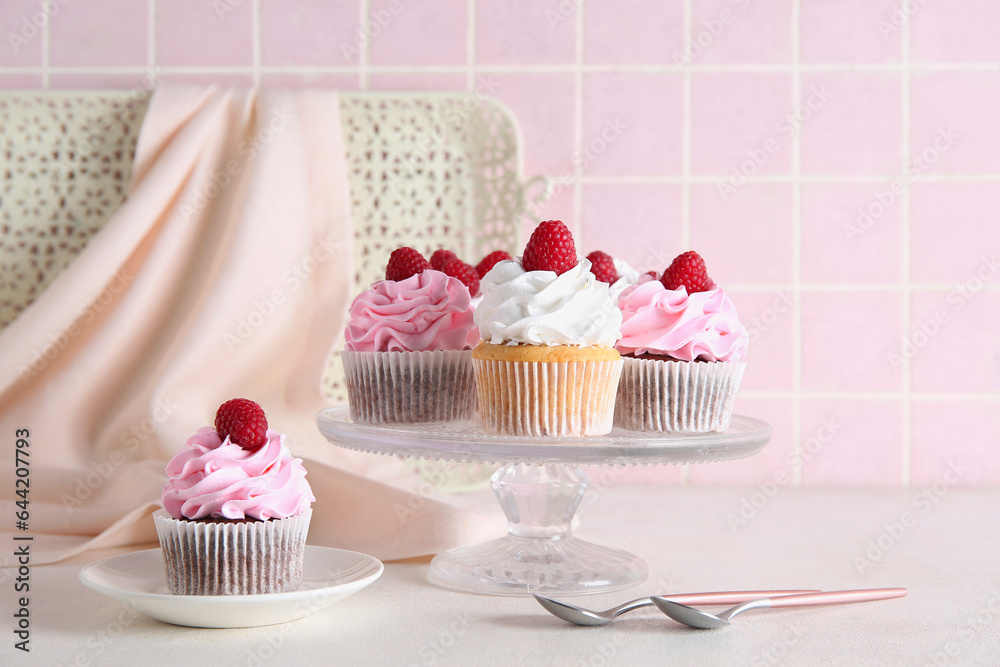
236	509
407	356
683	346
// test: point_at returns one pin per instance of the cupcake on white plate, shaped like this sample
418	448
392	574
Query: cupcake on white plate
236	509
683	347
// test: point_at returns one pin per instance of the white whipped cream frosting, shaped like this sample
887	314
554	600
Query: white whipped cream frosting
542	308
627	276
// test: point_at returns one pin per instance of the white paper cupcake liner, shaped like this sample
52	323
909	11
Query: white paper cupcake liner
677	396
204	558
410	387
547	398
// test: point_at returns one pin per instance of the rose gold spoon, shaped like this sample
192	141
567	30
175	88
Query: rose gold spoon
697	618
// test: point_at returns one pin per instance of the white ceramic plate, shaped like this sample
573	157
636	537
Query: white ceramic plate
329	576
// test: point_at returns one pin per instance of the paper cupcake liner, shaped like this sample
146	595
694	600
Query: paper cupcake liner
677	396
204	558
547	398
410	387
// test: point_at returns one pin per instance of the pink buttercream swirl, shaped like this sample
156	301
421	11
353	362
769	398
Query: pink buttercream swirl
426	312
673	323
212	478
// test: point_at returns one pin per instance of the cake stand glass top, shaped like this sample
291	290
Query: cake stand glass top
539	488
467	441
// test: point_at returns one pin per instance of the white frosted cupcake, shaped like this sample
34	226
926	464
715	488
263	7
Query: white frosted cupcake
408	347
683	347
236	509
547	364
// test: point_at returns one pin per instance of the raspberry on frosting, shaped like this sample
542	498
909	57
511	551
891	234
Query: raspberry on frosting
456	268
243	422
405	262
602	265
687	269
491	260
550	248
440	258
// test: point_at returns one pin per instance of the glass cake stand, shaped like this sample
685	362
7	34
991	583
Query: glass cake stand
540	486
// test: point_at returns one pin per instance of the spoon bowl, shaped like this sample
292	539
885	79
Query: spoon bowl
581	616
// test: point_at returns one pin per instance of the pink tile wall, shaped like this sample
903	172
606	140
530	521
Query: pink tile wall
741	31
99	33
745	133
826	22
622	137
837	162
310	34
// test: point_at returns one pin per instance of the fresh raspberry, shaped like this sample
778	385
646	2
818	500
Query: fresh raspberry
405	262
653	274
602	265
440	258
244	422
687	269
550	248
491	260
464	272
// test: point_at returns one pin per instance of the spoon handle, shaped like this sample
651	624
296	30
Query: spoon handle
730	597
837	597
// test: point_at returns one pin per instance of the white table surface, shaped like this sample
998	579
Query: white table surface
948	558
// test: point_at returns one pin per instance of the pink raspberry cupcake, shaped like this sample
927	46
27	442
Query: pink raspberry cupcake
236	509
408	345
683	347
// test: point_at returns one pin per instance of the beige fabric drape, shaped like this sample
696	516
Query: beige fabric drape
227	272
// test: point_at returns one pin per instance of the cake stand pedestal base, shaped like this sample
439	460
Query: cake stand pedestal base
539	553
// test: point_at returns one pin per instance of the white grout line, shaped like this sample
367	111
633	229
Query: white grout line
151	35
578	123
686	74
472	15
787	178
864	396
363	62
256	28
905	259
685	178
531	69
797	245
852	287
471	21
979	398
46	52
